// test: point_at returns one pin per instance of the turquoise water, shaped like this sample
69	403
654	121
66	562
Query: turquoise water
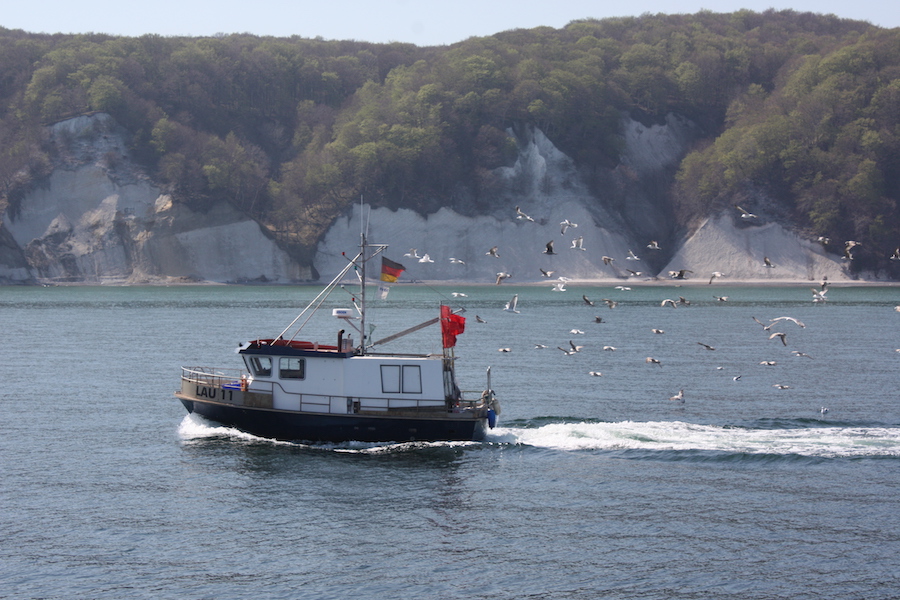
589	487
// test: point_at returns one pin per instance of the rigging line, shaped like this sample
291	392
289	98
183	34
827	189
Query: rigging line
327	290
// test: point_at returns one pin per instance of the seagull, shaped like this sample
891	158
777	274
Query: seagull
479	319
791	319
459	295
654	245
679	397
587	300
565	225
598	319
456	261
425	259
501	276
896	254
578	243
823	240
631	256
610	303
683	300
768	363
736	378
511	305
657	331
781	386
763	325
413	253
607	260
849	245
745	214
522	216
707	346
623	288
492	252
716	274
540	346
823	410
609	348
767	262
668	301
504	349
546	273
819	296
574	347
576	332
721	298
779	335
563	279
595	373
679	274
799	354
566	351
634	273
652	361
549	248
559	287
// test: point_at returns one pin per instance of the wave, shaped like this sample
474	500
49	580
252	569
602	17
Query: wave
674	437
669	440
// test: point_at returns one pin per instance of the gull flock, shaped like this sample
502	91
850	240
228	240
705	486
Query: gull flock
776	330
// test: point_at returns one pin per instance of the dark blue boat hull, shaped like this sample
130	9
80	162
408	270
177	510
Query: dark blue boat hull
313	427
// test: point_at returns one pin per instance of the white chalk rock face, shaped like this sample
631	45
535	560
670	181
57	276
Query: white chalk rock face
90	223
740	252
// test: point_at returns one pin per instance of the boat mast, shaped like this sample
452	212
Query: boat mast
362	289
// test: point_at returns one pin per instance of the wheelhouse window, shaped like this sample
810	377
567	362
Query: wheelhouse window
396	379
412	379
390	379
260	365
292	368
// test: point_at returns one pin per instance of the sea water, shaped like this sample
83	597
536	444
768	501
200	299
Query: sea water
589	487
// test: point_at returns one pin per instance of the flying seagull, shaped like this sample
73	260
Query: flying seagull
413	253
791	319
493	252
767	262
653	245
652	361
511	305
679	274
549	248
501	276
716	274
479	319
707	346
456	261
559	287
425	259
565	225
587	300
631	256
546	273
578	243
610	303
679	397
745	214
522	216
595	373
607	260
779	335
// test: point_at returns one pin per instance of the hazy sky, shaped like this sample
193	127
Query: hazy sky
422	22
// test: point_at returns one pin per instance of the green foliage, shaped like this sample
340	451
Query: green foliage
803	107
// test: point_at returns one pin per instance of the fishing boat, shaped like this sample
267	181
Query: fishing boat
295	390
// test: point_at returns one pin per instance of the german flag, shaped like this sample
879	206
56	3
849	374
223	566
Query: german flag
390	270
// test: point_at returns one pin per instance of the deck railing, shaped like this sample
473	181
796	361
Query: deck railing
232	378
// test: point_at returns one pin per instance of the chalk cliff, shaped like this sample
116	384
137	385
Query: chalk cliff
98	219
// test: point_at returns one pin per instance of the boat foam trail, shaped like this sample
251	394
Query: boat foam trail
665	436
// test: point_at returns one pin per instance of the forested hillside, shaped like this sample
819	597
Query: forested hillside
800	115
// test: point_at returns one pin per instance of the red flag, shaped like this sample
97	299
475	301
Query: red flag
451	326
390	270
